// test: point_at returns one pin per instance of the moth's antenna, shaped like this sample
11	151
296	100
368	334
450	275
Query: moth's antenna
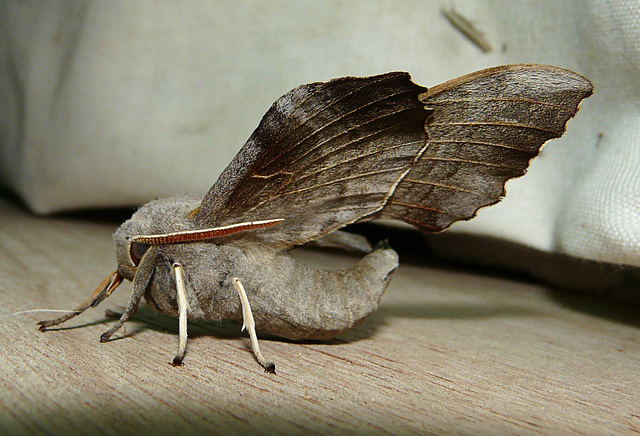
22	312
202	234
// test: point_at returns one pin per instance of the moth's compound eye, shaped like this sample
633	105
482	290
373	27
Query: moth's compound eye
136	251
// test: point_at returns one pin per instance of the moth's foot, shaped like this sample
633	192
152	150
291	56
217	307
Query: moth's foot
270	367
104	289
177	361
105	336
44	325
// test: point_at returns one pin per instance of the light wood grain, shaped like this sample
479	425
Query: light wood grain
449	351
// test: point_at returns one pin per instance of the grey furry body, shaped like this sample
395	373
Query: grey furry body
288	298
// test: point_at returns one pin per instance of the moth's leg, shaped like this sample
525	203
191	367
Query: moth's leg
250	325
140	283
183	307
131	309
104	289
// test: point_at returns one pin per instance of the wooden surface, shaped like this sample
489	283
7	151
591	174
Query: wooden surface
449	351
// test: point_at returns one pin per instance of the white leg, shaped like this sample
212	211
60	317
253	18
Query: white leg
183	307
250	325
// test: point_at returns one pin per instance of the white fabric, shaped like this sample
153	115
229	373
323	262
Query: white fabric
114	103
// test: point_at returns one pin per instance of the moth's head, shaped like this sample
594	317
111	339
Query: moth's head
167	222
163	216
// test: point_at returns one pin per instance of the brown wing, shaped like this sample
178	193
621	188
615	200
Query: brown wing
484	129
324	155
354	149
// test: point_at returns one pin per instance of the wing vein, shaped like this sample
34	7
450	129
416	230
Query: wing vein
356	158
332	182
489	144
440	185
499	124
333	122
417	206
473	162
471	100
323	110
312	95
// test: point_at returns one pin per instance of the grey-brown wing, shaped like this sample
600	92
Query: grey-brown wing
484	129
324	155
355	149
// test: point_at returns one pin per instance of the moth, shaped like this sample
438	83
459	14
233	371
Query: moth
326	155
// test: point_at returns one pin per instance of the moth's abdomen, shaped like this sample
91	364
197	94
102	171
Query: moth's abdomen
308	303
288	299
